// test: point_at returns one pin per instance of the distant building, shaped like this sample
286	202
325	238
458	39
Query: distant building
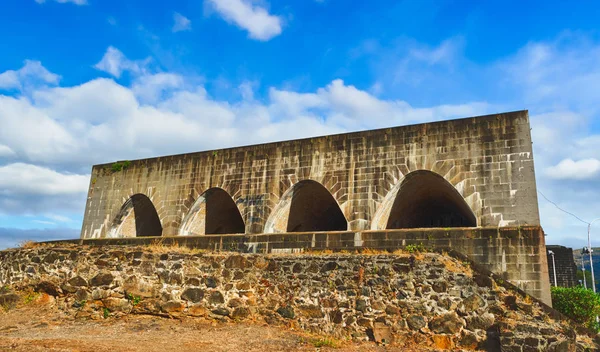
566	270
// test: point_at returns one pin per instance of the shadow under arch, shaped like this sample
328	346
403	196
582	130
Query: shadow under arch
137	218
213	213
307	206
424	199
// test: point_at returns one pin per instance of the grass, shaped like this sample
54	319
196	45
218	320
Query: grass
135	300
105	313
160	247
119	166
28	244
325	342
31	297
415	248
456	266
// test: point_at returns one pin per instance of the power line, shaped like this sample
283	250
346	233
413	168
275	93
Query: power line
561	209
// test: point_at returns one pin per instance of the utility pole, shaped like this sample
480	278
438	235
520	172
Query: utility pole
583	268
590	253
553	268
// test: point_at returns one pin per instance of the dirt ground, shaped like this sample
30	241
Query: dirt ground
39	327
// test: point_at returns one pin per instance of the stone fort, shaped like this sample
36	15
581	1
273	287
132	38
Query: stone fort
466	184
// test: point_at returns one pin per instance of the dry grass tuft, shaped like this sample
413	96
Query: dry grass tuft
455	266
28	244
160	247
320	341
371	251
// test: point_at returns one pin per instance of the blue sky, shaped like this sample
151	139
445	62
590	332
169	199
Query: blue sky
89	81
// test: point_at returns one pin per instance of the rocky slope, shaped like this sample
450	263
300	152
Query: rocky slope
432	300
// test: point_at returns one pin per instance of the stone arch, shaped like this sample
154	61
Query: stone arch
214	212
137	218
307	206
423	199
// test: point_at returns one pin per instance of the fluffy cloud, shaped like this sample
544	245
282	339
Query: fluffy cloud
114	63
182	23
66	129
255	19
162	113
53	135
31	73
152	88
20	178
30	189
577	170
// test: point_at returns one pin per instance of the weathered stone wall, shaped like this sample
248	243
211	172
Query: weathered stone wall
566	270
488	160
406	299
516	254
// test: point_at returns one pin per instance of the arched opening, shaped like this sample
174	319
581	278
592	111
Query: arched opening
214	212
306	207
426	199
137	218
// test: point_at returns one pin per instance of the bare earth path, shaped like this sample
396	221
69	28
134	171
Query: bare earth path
45	328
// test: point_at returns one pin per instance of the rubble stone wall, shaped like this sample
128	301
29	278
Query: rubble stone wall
402	298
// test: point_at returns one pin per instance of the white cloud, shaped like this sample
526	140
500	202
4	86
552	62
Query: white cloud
31	133
158	113
255	19
162	113
562	74
152	88
5	151
21	178
32	73
445	52
578	170
182	23
76	2
59	218
9	80
44	222
115	63
27	189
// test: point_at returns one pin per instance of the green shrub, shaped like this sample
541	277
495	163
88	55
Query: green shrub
579	304
415	248
135	300
118	166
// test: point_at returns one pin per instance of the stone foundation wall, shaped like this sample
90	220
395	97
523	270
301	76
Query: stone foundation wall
515	253
427	299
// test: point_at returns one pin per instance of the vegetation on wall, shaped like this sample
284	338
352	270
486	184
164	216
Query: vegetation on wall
121	165
581	305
